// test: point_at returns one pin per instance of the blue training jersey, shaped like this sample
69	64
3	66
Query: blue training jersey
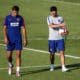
13	25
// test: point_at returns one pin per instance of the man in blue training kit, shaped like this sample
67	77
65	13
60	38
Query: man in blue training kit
14	29
57	30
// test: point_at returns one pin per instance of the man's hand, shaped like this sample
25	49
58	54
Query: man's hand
25	43
6	41
65	33
62	25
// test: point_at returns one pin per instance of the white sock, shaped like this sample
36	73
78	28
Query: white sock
52	66
63	66
18	69
10	64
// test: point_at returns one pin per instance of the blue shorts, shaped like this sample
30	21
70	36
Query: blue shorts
16	45
56	45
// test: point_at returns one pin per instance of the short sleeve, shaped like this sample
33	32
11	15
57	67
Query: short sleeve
5	22
49	20
22	22
61	20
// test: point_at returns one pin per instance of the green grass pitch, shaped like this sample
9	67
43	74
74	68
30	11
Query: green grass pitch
35	64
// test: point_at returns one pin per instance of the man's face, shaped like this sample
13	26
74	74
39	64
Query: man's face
14	13
54	13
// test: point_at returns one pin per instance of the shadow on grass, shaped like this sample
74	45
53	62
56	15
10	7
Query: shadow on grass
70	66
35	71
74	66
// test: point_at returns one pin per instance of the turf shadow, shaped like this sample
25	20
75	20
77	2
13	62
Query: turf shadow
74	66
70	66
34	71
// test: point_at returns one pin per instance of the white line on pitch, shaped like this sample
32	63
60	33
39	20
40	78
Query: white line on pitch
68	38
46	52
65	2
41	66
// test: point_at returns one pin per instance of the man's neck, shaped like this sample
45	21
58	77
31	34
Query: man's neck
54	16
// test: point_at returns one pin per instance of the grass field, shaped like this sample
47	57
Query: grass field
35	58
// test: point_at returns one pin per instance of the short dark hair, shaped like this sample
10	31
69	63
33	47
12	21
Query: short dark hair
53	8
16	8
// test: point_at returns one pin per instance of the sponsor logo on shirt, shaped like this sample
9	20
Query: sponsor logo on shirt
15	24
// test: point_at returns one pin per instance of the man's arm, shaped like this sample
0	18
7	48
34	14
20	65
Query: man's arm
24	34
5	35
51	24
66	32
62	25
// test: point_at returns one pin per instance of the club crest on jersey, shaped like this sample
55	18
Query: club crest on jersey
18	19
59	20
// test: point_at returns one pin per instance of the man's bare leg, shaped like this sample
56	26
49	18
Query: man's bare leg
52	61
18	62
9	57
62	56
